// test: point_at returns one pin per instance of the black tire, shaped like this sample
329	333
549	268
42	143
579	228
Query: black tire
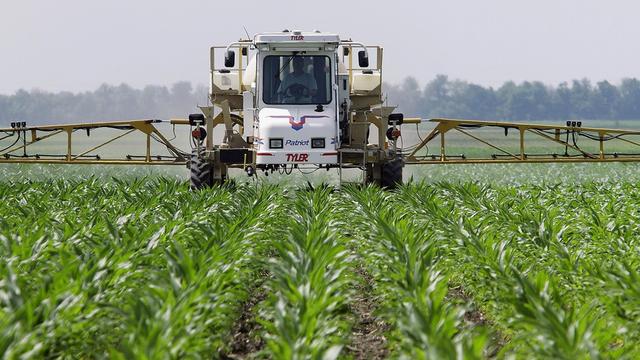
201	172
392	174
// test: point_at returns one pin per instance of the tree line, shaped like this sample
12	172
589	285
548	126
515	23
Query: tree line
441	97
579	99
108	102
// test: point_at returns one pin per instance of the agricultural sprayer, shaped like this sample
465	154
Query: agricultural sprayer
305	100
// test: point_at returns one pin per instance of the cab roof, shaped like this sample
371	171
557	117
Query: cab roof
296	37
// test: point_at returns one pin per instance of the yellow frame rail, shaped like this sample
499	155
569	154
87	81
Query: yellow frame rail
144	128
551	133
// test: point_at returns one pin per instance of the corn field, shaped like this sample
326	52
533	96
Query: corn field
147	269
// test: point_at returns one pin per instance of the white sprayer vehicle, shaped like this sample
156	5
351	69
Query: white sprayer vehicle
296	100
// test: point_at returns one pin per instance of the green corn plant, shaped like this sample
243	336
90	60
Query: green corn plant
560	333
403	259
310	284
91	277
149	269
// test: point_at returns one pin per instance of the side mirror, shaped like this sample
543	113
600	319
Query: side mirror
363	59
230	58
196	119
396	119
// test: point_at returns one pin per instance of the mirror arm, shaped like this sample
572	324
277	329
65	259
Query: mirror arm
236	43
363	46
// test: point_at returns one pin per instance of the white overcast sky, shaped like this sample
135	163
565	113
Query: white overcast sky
77	45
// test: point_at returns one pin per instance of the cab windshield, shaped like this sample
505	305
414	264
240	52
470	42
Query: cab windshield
296	79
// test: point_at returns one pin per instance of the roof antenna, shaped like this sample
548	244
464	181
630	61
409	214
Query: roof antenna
246	32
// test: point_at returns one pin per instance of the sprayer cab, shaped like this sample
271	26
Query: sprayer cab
302	99
297	100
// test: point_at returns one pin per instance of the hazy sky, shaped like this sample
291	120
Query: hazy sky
79	44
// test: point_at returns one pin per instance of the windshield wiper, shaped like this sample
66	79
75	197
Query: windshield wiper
286	64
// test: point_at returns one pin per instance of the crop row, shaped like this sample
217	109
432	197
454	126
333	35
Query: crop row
553	266
144	270
311	283
404	260
148	269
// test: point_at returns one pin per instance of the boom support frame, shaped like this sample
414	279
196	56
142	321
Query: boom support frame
550	134
146	130
17	153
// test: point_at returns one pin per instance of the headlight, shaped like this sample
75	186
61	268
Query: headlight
317	143
275	143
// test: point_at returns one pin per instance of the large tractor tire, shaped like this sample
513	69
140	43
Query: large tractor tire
201	172
387	175
392	173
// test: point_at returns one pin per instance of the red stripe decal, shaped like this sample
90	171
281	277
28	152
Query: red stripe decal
264	154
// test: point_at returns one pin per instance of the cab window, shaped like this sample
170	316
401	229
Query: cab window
296	79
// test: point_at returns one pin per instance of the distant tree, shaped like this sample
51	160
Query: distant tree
581	99
404	96
408	89
604	101
481	103
455	106
629	104
436	97
505	94
4	104
154	97
562	103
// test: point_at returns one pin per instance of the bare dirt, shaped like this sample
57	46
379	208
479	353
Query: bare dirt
368	339
475	317
246	339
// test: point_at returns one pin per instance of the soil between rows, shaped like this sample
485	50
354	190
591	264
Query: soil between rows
368	340
475	317
246	339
